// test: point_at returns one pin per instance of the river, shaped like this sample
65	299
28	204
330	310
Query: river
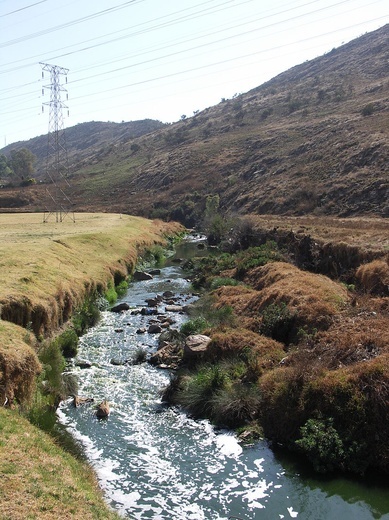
154	462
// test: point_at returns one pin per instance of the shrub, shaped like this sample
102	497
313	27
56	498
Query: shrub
321	443
220	281
111	294
278	322
122	288
235	405
195	326
367	110
256	257
86	316
139	356
68	343
197	389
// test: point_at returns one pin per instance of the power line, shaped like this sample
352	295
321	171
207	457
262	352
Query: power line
69	24
22	8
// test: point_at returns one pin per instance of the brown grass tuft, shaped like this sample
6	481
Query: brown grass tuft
19	364
373	277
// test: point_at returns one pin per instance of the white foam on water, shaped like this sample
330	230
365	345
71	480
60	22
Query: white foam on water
292	513
228	445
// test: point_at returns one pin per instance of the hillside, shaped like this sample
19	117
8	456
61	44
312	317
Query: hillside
313	140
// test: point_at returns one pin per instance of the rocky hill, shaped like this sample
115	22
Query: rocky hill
313	140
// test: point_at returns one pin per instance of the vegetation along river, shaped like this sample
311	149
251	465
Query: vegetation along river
155	462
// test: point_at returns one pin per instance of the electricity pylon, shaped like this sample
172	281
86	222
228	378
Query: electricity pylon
57	165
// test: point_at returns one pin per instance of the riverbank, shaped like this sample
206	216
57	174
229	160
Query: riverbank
294	354
47	272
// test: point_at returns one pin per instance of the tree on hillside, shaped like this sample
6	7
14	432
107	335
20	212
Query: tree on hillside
22	163
5	169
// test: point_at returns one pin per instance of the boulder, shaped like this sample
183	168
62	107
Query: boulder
102	409
196	345
154	329
155	271
120	307
139	276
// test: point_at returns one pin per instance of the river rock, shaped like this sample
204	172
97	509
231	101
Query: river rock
154	329
149	311
173	308
196	345
120	307
118	362
82	363
155	272
168	294
168	356
142	275
153	302
141	330
102	409
78	401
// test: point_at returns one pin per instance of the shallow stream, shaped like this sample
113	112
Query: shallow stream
154	462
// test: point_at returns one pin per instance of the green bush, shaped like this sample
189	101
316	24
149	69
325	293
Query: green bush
198	389
235	405
220	281
111	294
68	343
367	110
86	316
122	288
195	326
278	322
321	443
256	257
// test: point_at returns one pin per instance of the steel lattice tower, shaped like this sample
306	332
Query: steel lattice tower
57	165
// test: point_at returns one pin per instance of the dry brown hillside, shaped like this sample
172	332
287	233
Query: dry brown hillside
313	140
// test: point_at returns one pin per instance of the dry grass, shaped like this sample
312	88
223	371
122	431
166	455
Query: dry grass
364	233
374	277
41	481
47	268
314	298
19	364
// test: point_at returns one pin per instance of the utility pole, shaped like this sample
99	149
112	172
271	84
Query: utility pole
57	165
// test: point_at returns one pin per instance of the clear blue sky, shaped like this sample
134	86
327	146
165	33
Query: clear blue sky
158	59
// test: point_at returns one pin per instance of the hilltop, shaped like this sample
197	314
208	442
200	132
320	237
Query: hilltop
312	141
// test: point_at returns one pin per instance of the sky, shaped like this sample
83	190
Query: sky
160	59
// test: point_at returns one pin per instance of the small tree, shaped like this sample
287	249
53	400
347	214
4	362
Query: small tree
22	163
5	169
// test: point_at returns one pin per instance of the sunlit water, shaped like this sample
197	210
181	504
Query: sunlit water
155	462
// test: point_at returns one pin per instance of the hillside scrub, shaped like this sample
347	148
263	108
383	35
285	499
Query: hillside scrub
308	364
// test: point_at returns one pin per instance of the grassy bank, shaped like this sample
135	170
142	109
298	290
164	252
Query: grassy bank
41	481
48	271
296	355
